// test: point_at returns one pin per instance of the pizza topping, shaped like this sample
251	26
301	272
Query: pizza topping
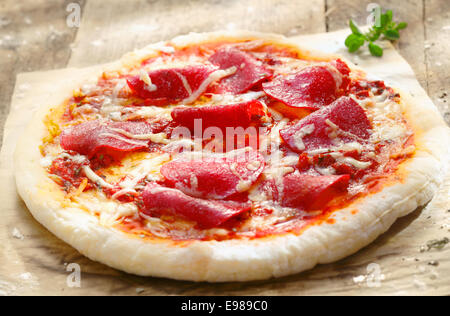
233	115
311	88
343	121
249	71
218	99
143	76
168	86
96	178
344	75
304	131
68	171
311	192
153	137
148	169
207	213
351	161
301	191
90	137
213	77
216	176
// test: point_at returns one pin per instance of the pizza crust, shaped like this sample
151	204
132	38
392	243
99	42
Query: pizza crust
233	260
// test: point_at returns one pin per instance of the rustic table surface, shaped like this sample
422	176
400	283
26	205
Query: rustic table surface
35	36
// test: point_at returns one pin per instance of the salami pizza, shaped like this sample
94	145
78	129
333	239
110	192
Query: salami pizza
228	157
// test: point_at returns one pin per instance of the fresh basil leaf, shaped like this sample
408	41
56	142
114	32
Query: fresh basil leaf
350	39
401	26
375	50
383	20
384	26
355	29
389	15
354	47
392	35
354	42
376	35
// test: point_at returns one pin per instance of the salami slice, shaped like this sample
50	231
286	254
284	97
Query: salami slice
309	192
249	71
90	137
215	177
343	121
311	88
207	213
169	86
234	115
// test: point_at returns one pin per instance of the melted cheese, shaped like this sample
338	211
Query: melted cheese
122	139
386	117
277	165
109	211
46	161
186	84
304	131
213	77
148	166
356	163
254	165
325	171
287	64
120	86
337	76
149	86
344	147
334	129
122	192
76	158
151	111
96	178
243	185
351	161
221	99
160	138
179	144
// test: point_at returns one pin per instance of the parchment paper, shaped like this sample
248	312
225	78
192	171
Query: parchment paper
35	262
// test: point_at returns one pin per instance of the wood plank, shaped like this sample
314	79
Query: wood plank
437	47
33	36
121	26
411	44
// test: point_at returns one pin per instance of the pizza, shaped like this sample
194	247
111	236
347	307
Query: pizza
227	156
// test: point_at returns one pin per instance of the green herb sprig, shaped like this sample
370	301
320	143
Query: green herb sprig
387	28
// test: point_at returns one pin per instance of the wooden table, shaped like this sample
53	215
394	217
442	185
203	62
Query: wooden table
34	36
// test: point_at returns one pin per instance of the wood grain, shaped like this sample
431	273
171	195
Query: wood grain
111	28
